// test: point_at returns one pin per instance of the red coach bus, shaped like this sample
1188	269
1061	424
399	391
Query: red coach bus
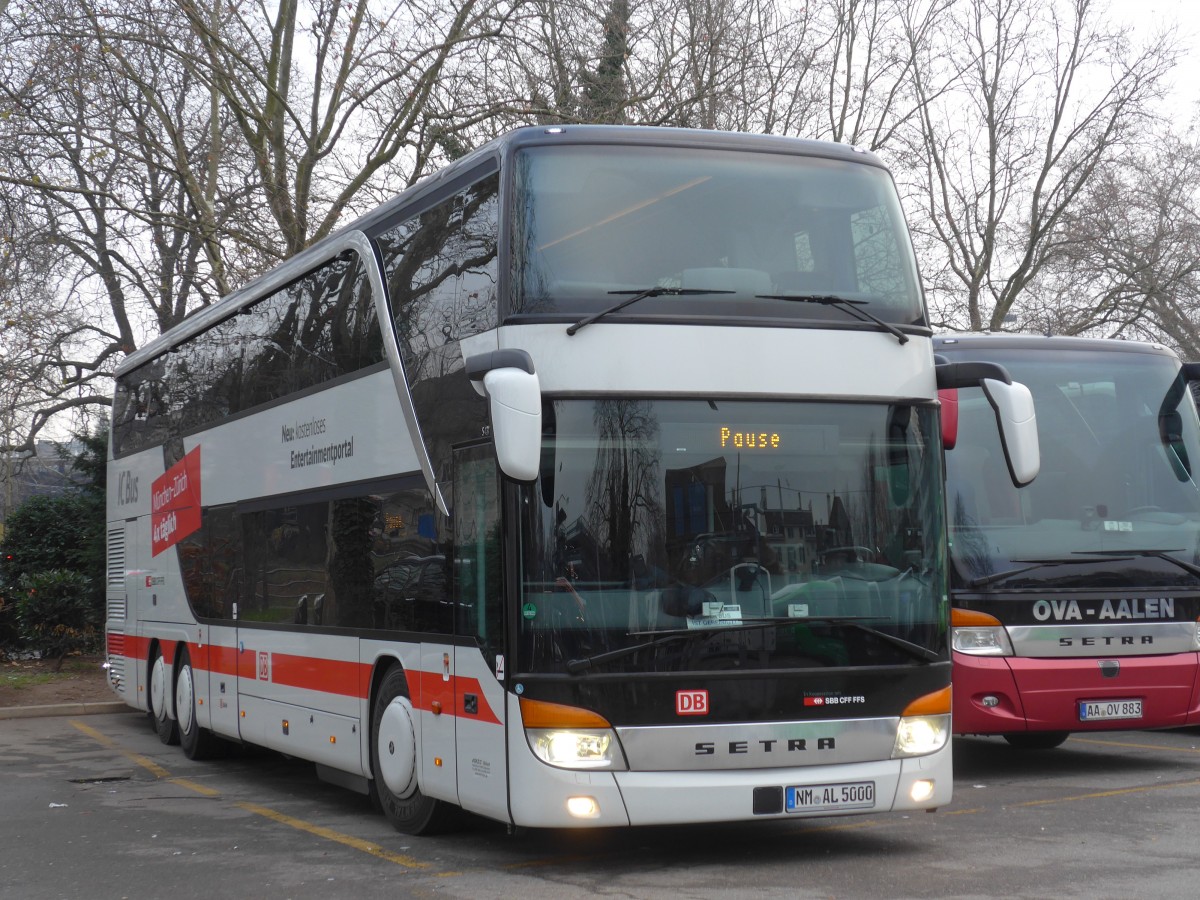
1076	598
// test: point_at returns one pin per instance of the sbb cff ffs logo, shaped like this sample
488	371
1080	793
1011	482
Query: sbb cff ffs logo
691	703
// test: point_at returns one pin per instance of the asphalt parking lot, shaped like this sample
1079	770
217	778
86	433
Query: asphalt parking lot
96	807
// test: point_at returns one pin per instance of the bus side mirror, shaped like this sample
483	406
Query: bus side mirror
1013	405
1017	420
510	384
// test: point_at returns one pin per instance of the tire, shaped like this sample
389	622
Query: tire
1037	740
394	762
197	742
159	700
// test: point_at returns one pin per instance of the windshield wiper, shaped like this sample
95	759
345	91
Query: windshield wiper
1114	555
655	291
924	654
983	580
1190	568
843	303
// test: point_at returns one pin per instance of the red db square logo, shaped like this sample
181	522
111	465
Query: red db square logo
264	666
691	703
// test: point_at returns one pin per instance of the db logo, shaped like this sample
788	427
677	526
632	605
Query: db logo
691	703
264	666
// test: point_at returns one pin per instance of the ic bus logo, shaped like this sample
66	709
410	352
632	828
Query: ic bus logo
264	665
691	703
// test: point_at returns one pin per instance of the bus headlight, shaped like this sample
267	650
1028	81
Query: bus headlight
978	634
921	735
924	725
574	749
569	737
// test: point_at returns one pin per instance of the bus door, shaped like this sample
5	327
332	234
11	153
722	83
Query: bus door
479	650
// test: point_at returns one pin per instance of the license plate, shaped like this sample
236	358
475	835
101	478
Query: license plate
1099	710
829	797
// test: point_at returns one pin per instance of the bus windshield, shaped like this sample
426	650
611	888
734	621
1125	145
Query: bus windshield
1116	502
692	535
708	235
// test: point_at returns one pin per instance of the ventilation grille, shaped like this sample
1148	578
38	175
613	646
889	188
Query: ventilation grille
116	609
116	557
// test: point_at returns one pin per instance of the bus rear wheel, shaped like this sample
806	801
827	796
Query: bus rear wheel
1037	740
197	742
160	699
394	761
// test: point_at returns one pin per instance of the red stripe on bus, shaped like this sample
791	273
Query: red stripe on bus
222	660
333	676
434	688
330	676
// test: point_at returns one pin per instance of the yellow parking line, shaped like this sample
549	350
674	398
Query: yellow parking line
331	835
1116	792
1079	740
317	830
146	763
193	786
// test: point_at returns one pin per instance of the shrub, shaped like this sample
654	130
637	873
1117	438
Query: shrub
8	620
56	615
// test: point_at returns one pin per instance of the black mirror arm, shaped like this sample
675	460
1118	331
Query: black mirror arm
967	374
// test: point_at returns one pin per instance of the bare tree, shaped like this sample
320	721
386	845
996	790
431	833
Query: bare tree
724	64
868	59
172	150
1129	264
1042	95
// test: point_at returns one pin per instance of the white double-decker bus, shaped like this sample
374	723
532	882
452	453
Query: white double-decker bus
596	480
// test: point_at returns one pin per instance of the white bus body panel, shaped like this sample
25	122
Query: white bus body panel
661	798
438	767
219	689
540	792
482	760
681	360
360	418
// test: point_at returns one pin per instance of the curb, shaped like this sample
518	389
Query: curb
64	709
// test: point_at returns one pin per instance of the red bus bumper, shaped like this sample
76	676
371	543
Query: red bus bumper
1044	694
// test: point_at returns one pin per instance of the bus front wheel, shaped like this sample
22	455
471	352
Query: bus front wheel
394	761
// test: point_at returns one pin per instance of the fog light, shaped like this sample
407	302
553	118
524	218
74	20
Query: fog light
921	790
990	701
583	807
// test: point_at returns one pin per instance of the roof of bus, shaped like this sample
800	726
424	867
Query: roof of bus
502	146
977	342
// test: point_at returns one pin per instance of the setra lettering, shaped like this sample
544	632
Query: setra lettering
765	745
1107	641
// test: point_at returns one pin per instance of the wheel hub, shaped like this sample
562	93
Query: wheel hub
396	748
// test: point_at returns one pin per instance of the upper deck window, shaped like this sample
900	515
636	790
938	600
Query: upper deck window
593	220
320	327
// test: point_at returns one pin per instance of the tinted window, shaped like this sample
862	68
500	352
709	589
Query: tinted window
318	328
374	561
441	275
745	231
